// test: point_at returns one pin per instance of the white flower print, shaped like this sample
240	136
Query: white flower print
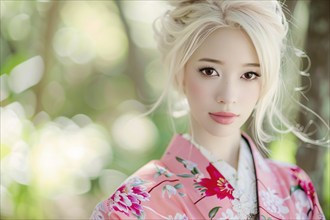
199	177
97	213
135	181
178	216
301	215
301	203
162	171
228	214
171	190
272	202
242	206
189	164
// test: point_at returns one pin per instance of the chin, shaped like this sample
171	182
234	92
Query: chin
223	131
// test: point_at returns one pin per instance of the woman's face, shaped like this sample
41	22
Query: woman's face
222	82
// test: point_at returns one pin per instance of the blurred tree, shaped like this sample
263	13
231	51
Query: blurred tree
312	159
27	202
136	61
47	31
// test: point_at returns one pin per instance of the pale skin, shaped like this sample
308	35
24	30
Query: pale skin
223	75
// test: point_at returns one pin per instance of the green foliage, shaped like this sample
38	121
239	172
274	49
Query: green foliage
284	149
60	148
11	61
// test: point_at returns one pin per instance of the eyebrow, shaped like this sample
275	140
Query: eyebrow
222	63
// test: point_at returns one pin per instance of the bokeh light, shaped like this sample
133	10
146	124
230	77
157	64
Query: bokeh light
64	152
76	79
133	132
26	74
19	27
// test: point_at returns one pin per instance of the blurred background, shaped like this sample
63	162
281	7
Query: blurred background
73	73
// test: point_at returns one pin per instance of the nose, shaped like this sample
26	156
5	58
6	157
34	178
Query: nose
227	92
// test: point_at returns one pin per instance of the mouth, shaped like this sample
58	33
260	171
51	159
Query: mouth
224	118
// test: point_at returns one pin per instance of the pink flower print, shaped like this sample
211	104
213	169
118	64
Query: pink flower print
304	182
98	212
216	185
127	199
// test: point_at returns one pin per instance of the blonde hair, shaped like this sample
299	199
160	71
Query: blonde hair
183	29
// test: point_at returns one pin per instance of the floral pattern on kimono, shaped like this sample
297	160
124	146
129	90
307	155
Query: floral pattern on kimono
184	184
242	180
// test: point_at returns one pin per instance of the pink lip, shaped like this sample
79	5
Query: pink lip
225	118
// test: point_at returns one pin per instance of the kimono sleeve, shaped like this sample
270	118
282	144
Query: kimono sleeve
304	183
151	193
100	213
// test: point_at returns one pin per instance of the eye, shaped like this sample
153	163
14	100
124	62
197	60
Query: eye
250	75
208	72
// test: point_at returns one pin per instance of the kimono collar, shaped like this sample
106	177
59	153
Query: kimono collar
187	162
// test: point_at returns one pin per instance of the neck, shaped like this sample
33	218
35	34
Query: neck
221	147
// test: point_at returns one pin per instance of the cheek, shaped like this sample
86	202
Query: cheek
197	94
194	88
251	97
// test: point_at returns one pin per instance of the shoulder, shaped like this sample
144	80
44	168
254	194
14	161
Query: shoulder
281	166
289	185
287	168
299	183
292	173
142	189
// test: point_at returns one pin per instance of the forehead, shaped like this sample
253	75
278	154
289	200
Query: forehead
228	45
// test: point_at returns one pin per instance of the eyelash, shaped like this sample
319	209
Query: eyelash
202	69
256	75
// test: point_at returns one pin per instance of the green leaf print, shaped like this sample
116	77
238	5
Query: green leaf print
213	212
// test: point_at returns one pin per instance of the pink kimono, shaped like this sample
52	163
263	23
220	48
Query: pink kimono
184	184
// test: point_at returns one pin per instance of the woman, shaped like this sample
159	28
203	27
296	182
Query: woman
225	58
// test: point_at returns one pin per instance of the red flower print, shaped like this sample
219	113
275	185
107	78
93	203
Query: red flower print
304	182
216	185
128	198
